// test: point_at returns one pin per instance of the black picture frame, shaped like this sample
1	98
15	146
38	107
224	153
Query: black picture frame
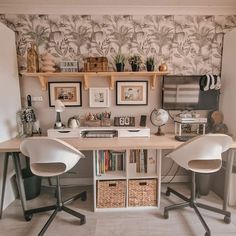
71	89
133	100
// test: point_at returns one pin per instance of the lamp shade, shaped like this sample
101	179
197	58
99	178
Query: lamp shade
59	106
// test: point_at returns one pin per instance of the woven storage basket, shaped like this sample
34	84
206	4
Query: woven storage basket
111	194
142	192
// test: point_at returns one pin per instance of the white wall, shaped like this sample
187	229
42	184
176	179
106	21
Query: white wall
9	97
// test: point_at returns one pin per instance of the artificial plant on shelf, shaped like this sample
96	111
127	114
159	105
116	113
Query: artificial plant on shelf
119	60
135	62
150	63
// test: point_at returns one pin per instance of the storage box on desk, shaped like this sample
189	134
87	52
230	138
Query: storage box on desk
142	192
111	193
95	64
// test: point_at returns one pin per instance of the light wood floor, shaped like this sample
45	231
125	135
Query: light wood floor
131	223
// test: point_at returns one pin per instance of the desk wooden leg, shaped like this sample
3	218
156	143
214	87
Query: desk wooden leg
16	161
4	178
228	173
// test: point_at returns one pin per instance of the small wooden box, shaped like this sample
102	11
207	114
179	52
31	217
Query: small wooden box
111	193
142	192
95	64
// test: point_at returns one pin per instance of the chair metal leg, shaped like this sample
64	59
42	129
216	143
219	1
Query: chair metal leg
48	222
82	195
214	209
4	179
170	190
41	209
74	213
202	220
177	206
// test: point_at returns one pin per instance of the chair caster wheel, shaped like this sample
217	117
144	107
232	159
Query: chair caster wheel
207	234
82	221
227	219
84	197
167	193
28	217
166	215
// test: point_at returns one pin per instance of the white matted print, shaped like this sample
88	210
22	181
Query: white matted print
99	97
131	92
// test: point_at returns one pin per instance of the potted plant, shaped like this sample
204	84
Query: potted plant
150	63
135	62
119	60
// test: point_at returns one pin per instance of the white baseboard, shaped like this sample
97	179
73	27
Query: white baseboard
89	181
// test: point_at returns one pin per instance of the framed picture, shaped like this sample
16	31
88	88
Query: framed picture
70	93
99	97
131	93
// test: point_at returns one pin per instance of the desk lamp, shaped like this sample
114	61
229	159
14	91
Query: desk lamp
59	107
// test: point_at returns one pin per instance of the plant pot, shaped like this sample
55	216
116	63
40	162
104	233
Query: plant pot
150	67
120	67
135	67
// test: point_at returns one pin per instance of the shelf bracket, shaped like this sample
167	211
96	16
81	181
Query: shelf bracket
153	81
43	81
112	82
86	86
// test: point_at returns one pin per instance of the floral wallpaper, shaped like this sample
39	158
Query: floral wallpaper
188	44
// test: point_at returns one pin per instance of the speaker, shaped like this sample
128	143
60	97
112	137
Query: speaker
143	120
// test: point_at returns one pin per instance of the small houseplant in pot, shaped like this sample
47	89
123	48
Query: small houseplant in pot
135	62
119	60
150	64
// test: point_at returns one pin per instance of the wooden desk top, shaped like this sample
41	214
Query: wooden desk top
154	142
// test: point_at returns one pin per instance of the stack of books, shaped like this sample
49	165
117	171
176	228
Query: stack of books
139	157
109	161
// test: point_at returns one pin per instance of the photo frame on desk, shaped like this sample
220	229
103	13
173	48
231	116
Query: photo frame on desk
131	93
99	97
70	93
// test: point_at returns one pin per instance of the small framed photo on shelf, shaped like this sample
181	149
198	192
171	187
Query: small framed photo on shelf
70	93
133	93
99	97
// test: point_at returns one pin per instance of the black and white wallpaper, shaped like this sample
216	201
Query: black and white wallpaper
188	44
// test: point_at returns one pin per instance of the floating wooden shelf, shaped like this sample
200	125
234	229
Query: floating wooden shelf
43	77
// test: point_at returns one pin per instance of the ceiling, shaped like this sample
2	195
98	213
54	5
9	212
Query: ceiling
220	7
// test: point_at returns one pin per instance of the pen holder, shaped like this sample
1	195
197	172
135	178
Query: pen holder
106	122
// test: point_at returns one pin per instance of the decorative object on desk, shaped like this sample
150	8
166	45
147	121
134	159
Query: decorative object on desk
70	93
69	66
150	63
163	67
32	59
95	64
59	107
135	62
143	120
159	117
216	125
119	60
48	63
124	121
73	122
26	117
94	120
131	93
99	97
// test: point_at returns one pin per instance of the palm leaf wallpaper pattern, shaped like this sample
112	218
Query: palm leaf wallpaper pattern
188	44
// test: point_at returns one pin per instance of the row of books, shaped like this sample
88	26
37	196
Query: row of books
140	157
109	161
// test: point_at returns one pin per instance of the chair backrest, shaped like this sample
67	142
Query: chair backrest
203	153
50	157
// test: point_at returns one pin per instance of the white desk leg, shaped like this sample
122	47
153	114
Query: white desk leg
94	181
228	174
158	166
16	161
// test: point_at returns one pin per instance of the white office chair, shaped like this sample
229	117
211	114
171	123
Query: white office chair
48	158
200	155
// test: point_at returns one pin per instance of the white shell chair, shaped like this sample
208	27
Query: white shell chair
199	155
52	157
